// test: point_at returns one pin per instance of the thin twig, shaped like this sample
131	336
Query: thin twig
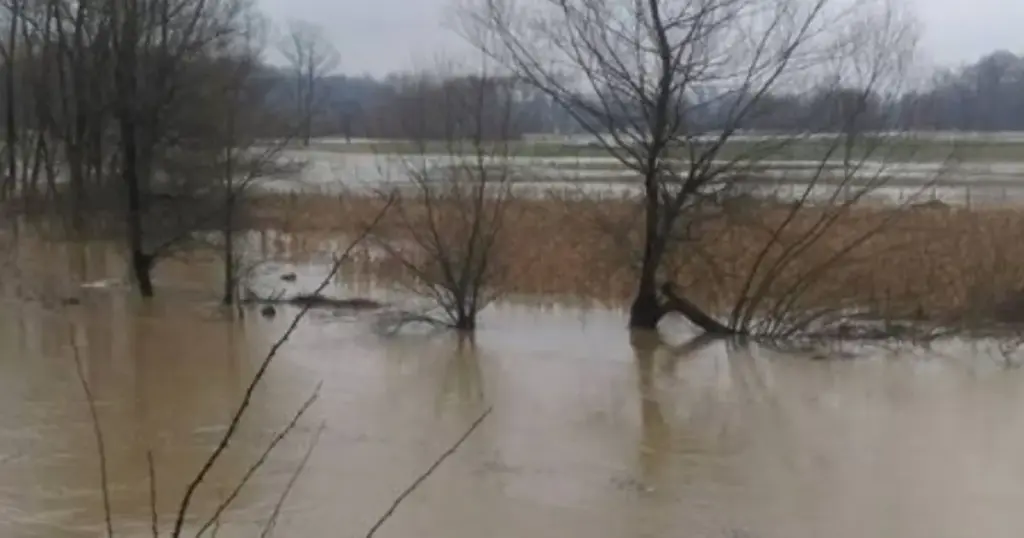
268	528
98	432
236	419
154	521
430	470
249	473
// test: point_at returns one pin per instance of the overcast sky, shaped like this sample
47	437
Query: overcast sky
382	36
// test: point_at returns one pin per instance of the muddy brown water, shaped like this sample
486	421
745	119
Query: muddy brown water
591	435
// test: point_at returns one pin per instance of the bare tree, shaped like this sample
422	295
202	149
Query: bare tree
165	89
665	86
243	157
10	85
80	115
151	109
312	57
28	57
446	224
152	45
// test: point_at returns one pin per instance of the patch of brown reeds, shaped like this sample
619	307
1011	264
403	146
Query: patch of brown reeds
926	262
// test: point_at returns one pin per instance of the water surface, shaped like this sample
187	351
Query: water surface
593	433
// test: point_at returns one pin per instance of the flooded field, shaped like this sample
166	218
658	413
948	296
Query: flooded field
964	183
593	433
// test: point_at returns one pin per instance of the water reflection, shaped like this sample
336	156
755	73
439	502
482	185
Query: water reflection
655	437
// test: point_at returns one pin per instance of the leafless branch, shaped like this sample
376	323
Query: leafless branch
259	462
98	433
258	377
426	474
153	515
268	528
450	214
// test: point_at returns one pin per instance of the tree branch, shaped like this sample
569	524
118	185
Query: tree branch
426	474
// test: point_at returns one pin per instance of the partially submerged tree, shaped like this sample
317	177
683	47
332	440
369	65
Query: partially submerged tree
446	223
160	49
243	157
667	86
185	70
28	55
153	111
312	57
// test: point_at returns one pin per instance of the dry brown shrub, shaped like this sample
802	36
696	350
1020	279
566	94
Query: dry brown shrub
934	263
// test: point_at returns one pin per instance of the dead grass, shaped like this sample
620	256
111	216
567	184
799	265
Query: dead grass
933	263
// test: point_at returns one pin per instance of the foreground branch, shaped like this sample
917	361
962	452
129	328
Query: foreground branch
259	462
258	377
98	432
268	528
426	474
153	517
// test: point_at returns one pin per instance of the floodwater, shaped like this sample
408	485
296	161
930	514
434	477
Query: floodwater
968	184
593	433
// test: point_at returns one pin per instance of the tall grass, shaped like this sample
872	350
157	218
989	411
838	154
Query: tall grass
930	263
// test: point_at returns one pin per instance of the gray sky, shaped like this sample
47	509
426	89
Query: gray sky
381	36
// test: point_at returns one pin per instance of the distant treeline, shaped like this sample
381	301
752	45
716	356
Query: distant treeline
984	96
400	105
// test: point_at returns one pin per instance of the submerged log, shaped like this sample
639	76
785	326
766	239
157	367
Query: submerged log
312	300
320	301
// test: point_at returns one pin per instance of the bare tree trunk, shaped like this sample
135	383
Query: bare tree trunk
141	264
76	177
127	90
229	264
229	258
51	172
307	113
646	310
465	321
11	108
38	154
142	268
229	212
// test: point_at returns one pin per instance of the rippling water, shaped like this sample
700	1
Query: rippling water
593	433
